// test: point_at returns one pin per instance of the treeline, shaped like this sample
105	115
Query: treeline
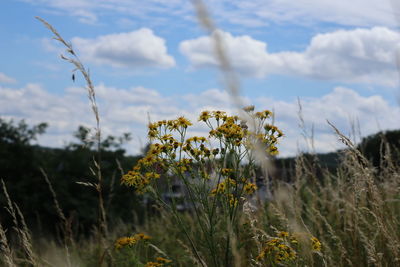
380	149
23	168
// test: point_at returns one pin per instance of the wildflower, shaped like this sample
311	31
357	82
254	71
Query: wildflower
233	201
226	171
172	125
161	259
283	234
250	188
277	250
260	256
153	264
249	108
219	115
130	240
220	189
204	116
215	151
273	150
153	132
293	240
315	244
142	236
152	175
183	122
124	241
167	137
184	165
230	181
148	160
264	114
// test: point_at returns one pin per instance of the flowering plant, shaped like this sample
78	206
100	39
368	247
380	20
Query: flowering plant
217	173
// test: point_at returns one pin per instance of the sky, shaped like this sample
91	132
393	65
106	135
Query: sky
151	60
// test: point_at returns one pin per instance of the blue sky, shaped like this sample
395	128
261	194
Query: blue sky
151	59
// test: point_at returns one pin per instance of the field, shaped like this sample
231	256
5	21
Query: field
220	200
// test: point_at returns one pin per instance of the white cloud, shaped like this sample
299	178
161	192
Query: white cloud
254	13
136	49
6	79
128	110
343	107
359	55
352	13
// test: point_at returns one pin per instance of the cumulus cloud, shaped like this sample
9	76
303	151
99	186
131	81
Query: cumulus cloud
136	49
359	55
129	110
6	79
343	107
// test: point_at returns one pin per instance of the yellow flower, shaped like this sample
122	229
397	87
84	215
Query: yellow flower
204	116
293	240
226	171
249	108
250	188
315	244
283	234
125	241
219	115
130	240
153	264
277	250
233	201
264	114
161	259
220	189
273	150
261	256
183	122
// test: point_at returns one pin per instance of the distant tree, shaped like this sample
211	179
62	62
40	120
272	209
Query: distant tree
19	167
19	133
20	163
377	145
109	143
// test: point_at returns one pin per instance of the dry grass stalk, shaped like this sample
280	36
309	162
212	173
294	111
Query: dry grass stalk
76	62
7	255
26	239
22	231
68	238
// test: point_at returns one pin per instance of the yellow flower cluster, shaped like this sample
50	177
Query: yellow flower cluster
315	244
250	188
170	156
196	148
270	134
130	240
282	249
263	114
224	186
230	132
156	128
160	261
231	188
138	180
278	251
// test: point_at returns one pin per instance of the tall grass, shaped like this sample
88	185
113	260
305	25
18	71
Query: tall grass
346	217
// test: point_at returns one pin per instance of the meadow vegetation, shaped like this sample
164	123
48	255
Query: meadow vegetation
236	210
